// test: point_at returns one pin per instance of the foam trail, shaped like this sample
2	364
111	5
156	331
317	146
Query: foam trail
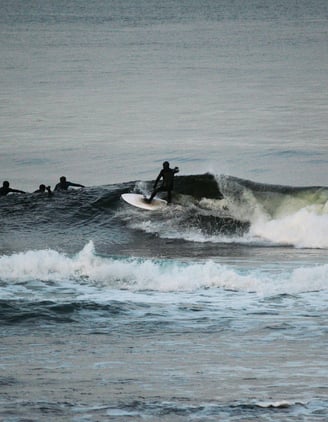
304	229
280	214
154	275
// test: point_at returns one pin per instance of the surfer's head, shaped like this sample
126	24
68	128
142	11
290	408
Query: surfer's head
166	165
5	184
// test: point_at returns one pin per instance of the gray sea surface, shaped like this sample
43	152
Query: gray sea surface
213	309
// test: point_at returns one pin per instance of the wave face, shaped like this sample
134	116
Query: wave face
220	232
206	209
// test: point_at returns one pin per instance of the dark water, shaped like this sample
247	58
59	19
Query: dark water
109	312
222	213
214	308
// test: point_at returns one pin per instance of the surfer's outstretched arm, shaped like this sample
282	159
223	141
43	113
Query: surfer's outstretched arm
65	184
5	189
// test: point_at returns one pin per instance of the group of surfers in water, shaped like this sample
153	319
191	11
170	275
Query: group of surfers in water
61	186
166	176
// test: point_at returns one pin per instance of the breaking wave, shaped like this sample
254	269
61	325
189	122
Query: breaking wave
41	272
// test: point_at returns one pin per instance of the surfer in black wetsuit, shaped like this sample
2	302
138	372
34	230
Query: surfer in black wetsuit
5	189
42	189
64	184
167	174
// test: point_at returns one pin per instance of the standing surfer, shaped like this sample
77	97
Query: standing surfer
167	174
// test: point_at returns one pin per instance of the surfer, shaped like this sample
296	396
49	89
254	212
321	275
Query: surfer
167	174
65	184
5	189
42	189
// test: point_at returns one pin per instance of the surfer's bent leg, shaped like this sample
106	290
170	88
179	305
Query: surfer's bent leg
154	193
169	196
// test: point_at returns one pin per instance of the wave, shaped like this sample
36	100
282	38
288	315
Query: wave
44	274
281	215
207	208
227	209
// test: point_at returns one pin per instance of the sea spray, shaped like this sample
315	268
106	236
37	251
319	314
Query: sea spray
280	215
162	275
305	228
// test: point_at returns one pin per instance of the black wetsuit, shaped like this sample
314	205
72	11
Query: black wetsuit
45	190
167	174
4	191
65	185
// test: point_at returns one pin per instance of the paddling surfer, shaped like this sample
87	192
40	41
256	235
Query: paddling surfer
5	189
65	184
43	189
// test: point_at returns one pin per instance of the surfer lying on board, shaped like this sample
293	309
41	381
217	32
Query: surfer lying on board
5	189
167	174
64	184
42	189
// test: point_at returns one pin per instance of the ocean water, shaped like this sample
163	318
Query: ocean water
213	309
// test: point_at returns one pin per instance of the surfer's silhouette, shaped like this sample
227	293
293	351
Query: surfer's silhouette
65	184
167	176
5	189
43	189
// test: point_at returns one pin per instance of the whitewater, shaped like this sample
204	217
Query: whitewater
214	308
138	274
122	309
217	294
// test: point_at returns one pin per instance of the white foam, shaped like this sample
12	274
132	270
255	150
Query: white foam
306	228
299	219
88	269
278	219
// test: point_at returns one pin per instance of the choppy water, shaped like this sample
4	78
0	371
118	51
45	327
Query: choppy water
213	309
200	311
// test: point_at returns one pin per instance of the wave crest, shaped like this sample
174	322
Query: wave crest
90	270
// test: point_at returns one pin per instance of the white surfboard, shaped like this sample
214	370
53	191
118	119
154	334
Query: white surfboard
138	201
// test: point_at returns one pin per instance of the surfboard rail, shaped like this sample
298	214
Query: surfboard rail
139	201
